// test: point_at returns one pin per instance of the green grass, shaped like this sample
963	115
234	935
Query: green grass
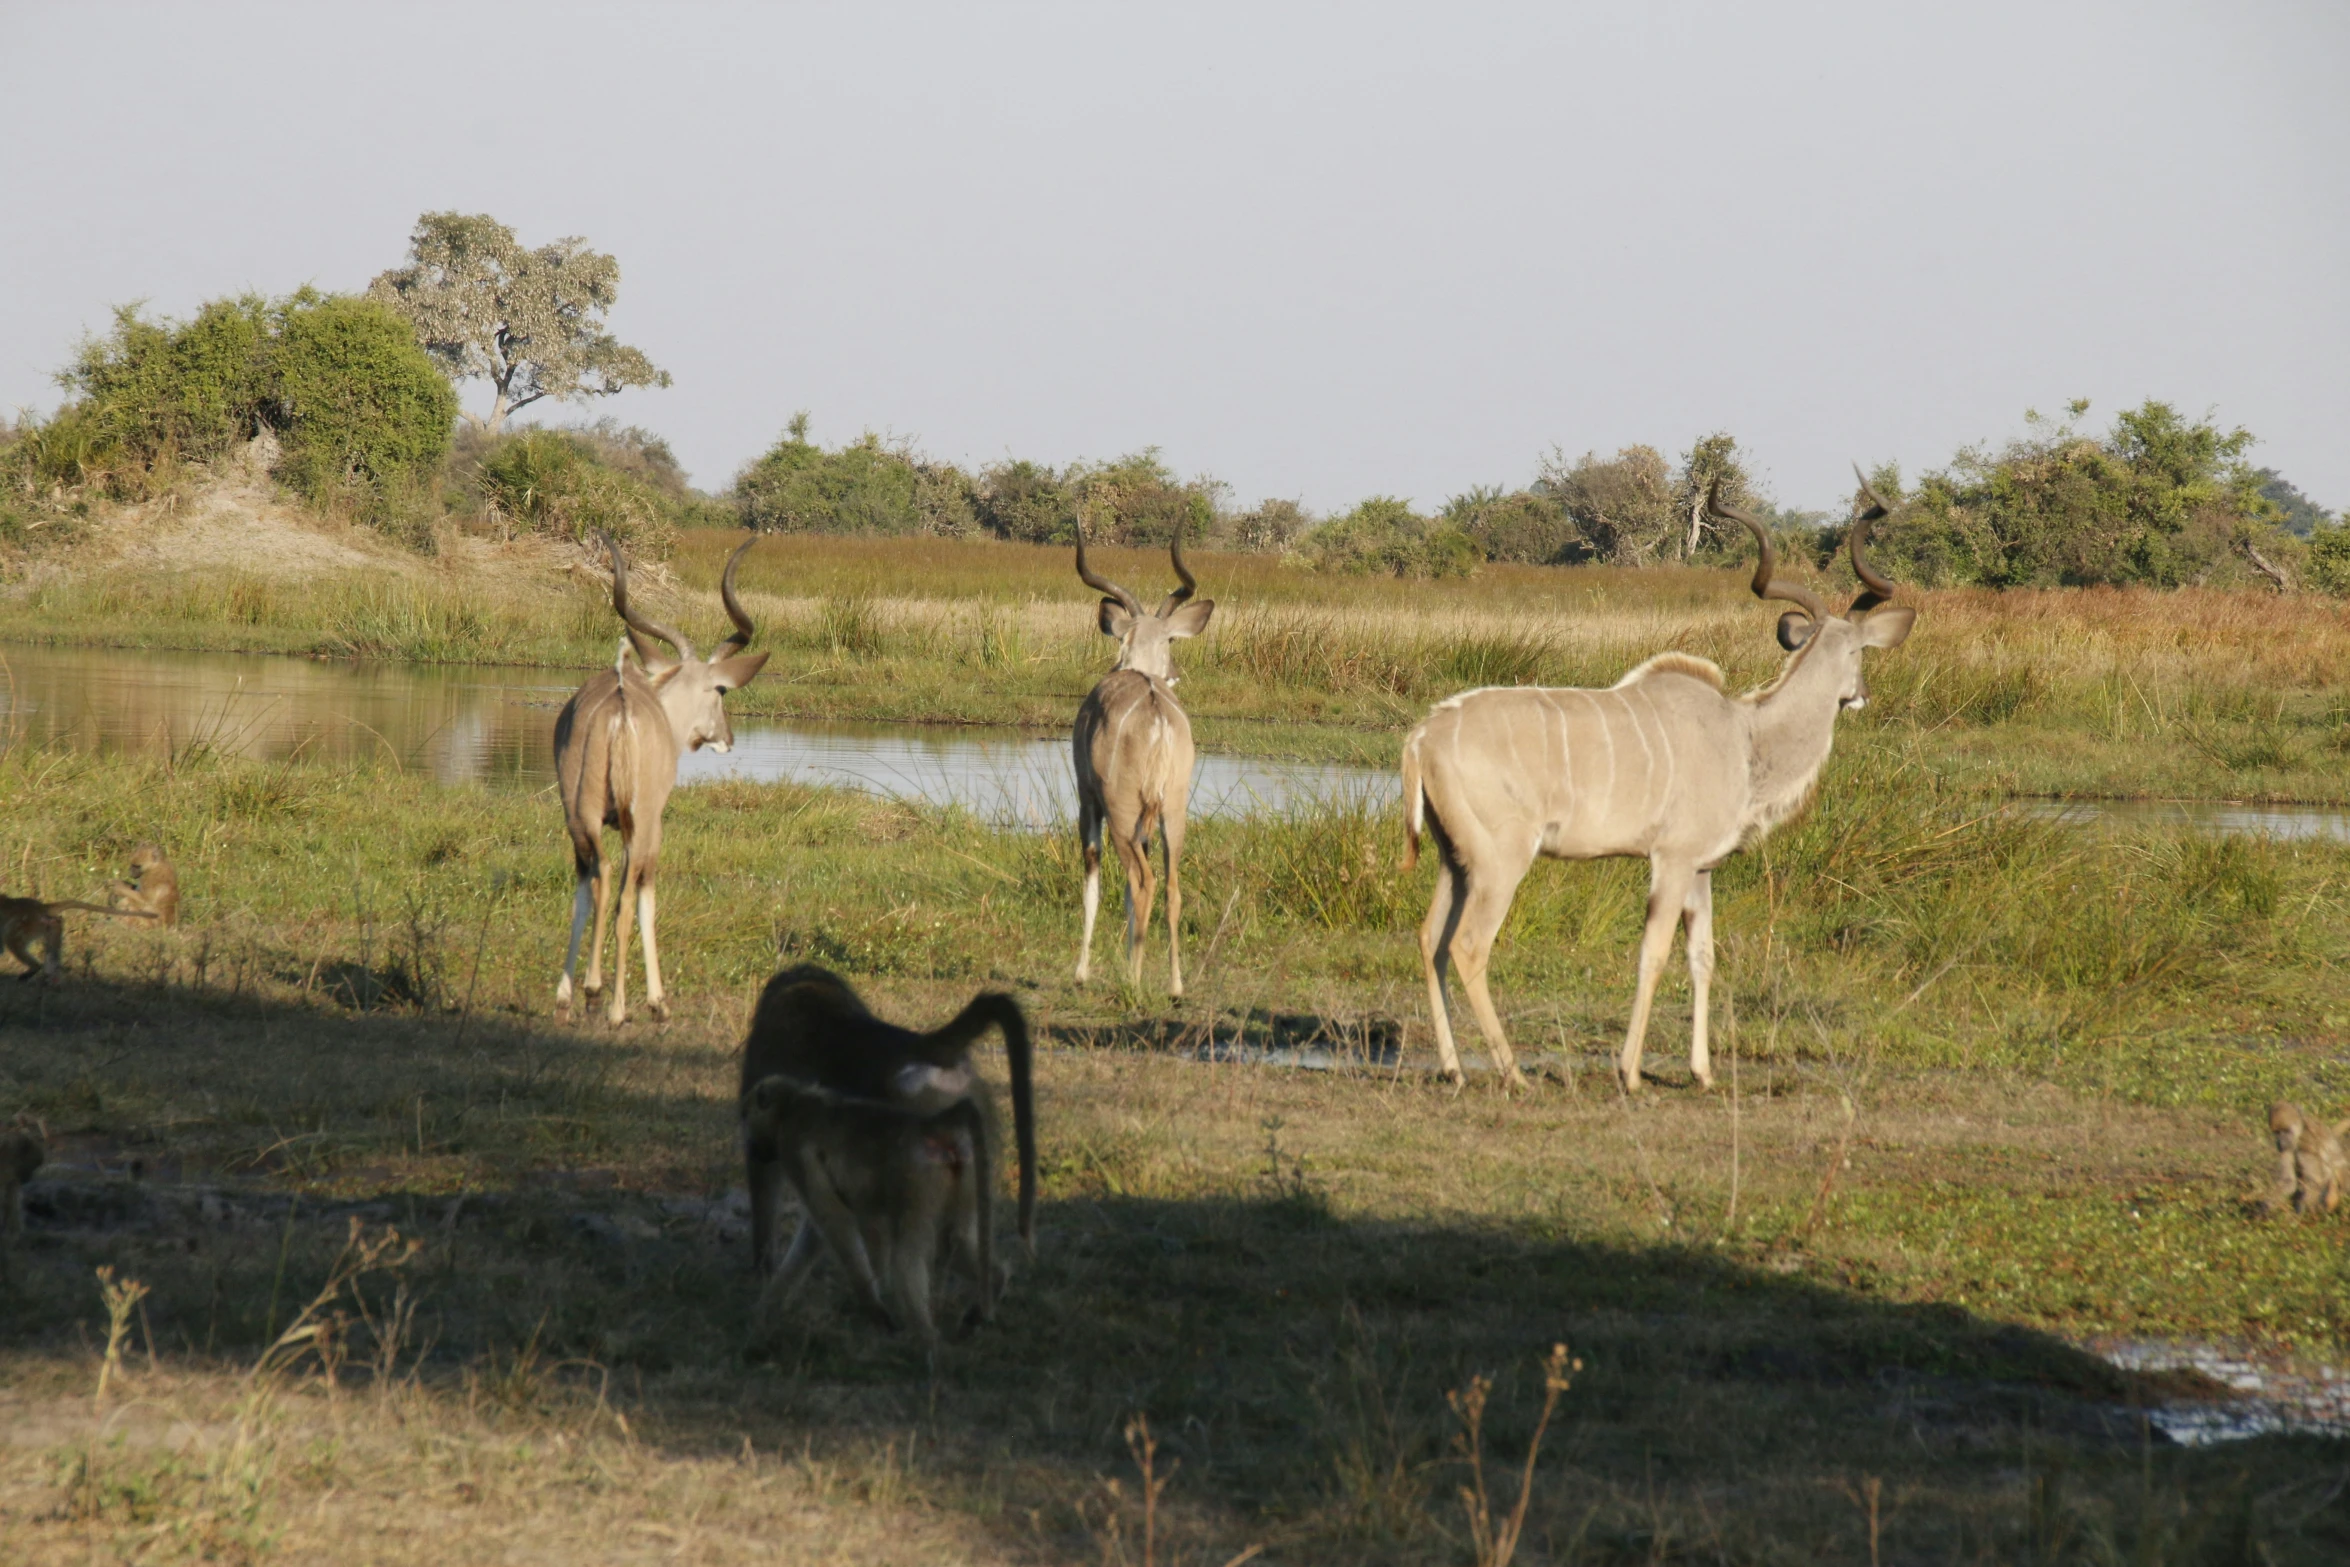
2000	1087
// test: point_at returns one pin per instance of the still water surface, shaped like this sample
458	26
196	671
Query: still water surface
472	724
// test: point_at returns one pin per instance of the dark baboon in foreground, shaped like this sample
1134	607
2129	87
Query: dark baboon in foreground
884	1132
2311	1169
892	1189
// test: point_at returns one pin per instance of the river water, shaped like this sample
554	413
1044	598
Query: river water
477	724
474	724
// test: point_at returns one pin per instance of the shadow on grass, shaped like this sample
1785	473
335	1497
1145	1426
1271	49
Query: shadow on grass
568	1190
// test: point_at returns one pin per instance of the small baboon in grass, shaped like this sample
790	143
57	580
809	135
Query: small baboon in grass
25	921
885	1134
2311	1169
153	887
22	1150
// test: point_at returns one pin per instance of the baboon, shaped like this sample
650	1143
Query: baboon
890	1187
23	921
153	888
21	1152
877	1085
2311	1168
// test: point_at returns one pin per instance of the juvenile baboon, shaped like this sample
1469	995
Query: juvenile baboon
2311	1169
890	1187
153	888
21	1152
876	1084
23	921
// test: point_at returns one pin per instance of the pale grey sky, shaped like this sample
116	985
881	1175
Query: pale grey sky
1318	252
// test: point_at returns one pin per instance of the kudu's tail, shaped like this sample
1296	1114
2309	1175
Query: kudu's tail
621	753
994	1009
1414	802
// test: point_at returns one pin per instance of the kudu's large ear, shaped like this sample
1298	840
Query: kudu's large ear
1116	619
1887	627
737	671
1191	619
1795	629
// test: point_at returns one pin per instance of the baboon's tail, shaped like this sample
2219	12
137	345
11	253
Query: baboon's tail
1414	802
63	904
992	1008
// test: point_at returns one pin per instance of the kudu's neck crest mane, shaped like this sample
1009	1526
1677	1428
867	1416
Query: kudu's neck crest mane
1146	638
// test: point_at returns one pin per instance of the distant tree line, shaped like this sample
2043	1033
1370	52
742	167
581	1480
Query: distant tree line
356	395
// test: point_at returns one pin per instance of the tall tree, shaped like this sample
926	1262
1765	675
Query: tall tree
529	322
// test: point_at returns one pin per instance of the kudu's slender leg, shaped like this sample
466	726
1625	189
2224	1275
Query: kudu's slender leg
645	864
1697	916
1142	887
608	869
1089	844
617	1012
582	900
1436	933
1171	841
644	915
1487	905
1669	892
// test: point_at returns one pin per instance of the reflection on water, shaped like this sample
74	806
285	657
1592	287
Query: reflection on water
471	724
2218	818
2274	1395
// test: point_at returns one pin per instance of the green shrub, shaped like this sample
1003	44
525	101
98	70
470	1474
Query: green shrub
864	487
564	482
363	409
2159	500
1027	502
361	415
1385	535
2326	565
1516	525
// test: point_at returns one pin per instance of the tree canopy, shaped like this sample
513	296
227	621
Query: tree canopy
2160	499
529	322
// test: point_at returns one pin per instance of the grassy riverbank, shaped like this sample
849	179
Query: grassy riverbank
1967	1134
2125	694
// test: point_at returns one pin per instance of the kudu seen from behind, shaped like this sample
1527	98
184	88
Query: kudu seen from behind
617	742
1663	764
1133	751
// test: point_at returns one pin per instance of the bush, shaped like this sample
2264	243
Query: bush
1385	535
1138	500
1516	525
1026	502
864	487
1620	507
361	415
2159	500
568	483
360	403
2326	564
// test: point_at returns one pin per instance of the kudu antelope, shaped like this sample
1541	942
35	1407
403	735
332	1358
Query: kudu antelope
1133	754
1663	763
617	742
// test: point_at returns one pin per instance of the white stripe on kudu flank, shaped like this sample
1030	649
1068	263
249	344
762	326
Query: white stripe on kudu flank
1716	772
